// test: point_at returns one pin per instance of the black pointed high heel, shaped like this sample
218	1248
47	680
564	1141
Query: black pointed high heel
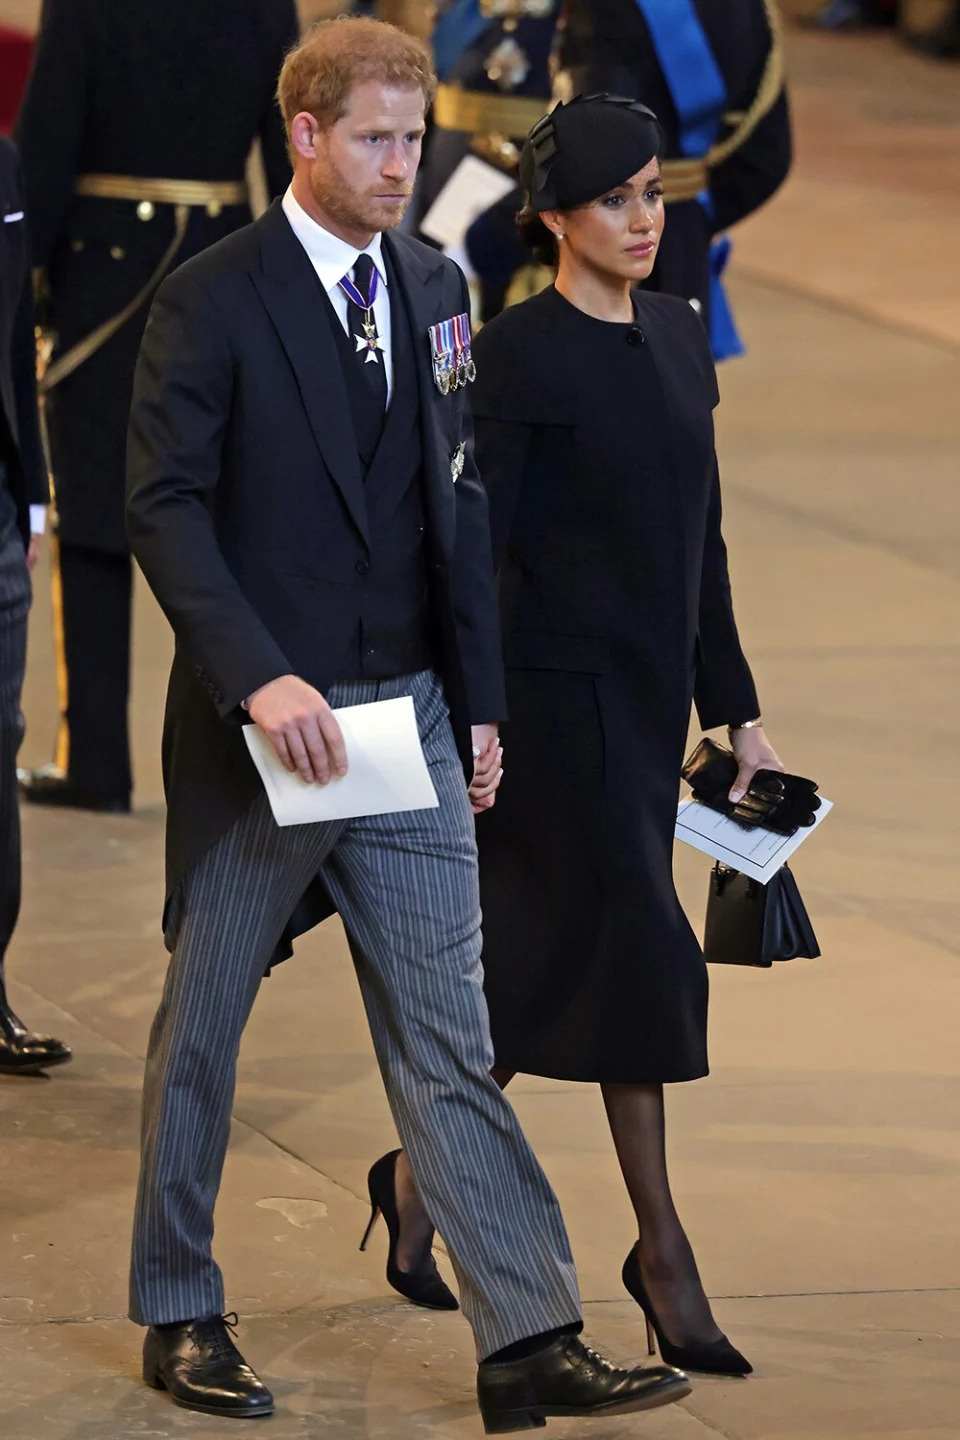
424	1287
716	1357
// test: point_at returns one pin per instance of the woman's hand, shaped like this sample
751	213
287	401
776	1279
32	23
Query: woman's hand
487	768
753	752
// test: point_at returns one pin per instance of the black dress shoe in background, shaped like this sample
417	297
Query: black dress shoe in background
49	786
568	1378
940	44
198	1363
24	1053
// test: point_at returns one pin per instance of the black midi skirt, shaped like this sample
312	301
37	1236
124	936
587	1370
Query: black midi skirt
593	972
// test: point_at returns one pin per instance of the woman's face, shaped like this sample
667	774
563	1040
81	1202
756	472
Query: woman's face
619	234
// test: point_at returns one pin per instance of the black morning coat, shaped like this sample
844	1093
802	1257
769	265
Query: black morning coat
20	448
170	89
246	510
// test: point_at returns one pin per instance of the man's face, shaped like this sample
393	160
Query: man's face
360	171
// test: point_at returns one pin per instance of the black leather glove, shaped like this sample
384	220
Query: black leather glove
778	801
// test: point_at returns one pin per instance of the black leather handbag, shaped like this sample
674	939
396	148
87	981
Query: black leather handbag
753	924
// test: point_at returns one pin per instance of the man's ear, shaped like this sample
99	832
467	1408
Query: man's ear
303	135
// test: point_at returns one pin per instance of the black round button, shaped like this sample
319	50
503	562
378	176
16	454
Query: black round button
362	567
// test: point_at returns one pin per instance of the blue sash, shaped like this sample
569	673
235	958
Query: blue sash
699	93
454	32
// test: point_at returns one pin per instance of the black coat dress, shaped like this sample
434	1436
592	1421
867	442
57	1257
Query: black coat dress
177	90
596	448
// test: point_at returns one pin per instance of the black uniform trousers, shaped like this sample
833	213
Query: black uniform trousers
14	608
96	592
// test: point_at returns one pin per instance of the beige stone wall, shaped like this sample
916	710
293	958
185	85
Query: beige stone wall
19	14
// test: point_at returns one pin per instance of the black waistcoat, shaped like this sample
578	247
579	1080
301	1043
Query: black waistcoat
394	627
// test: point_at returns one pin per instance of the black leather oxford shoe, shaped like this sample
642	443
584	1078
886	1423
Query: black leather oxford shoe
198	1363
21	1051
50	786
568	1378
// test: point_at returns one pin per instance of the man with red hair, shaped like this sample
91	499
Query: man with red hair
304	501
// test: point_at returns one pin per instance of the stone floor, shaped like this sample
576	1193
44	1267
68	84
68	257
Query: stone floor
818	1168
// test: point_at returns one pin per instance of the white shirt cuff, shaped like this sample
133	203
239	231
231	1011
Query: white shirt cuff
38	519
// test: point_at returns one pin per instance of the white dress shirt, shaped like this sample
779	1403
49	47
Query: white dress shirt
332	258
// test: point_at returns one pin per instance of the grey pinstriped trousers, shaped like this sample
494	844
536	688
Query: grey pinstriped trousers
406	888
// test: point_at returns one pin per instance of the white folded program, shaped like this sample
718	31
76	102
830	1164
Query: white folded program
387	770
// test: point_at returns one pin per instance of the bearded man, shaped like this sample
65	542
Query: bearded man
304	502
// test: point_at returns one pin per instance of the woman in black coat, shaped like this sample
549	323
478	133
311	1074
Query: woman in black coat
594	435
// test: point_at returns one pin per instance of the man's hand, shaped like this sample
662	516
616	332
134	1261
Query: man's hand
33	551
487	768
301	728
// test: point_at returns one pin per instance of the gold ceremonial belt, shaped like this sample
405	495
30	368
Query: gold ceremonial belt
209	195
184	196
477	113
683	179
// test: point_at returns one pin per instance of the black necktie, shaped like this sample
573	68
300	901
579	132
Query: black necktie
362	326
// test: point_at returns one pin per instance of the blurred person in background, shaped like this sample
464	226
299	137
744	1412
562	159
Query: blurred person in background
856	15
943	41
716	82
134	134
23	498
493	59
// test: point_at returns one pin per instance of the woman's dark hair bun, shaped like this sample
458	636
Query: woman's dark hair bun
539	240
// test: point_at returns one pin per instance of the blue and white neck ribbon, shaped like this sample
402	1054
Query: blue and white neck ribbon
369	341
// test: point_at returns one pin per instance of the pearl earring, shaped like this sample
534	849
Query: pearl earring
560	234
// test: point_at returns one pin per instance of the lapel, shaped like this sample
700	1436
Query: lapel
288	288
419	272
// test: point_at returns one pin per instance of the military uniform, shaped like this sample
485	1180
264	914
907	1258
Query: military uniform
493	59
134	132
607	45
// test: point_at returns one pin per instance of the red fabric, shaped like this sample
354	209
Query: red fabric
16	50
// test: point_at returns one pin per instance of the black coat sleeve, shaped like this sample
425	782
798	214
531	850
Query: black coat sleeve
273	140
52	119
724	691
181	404
493	244
24	368
755	171
474	599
